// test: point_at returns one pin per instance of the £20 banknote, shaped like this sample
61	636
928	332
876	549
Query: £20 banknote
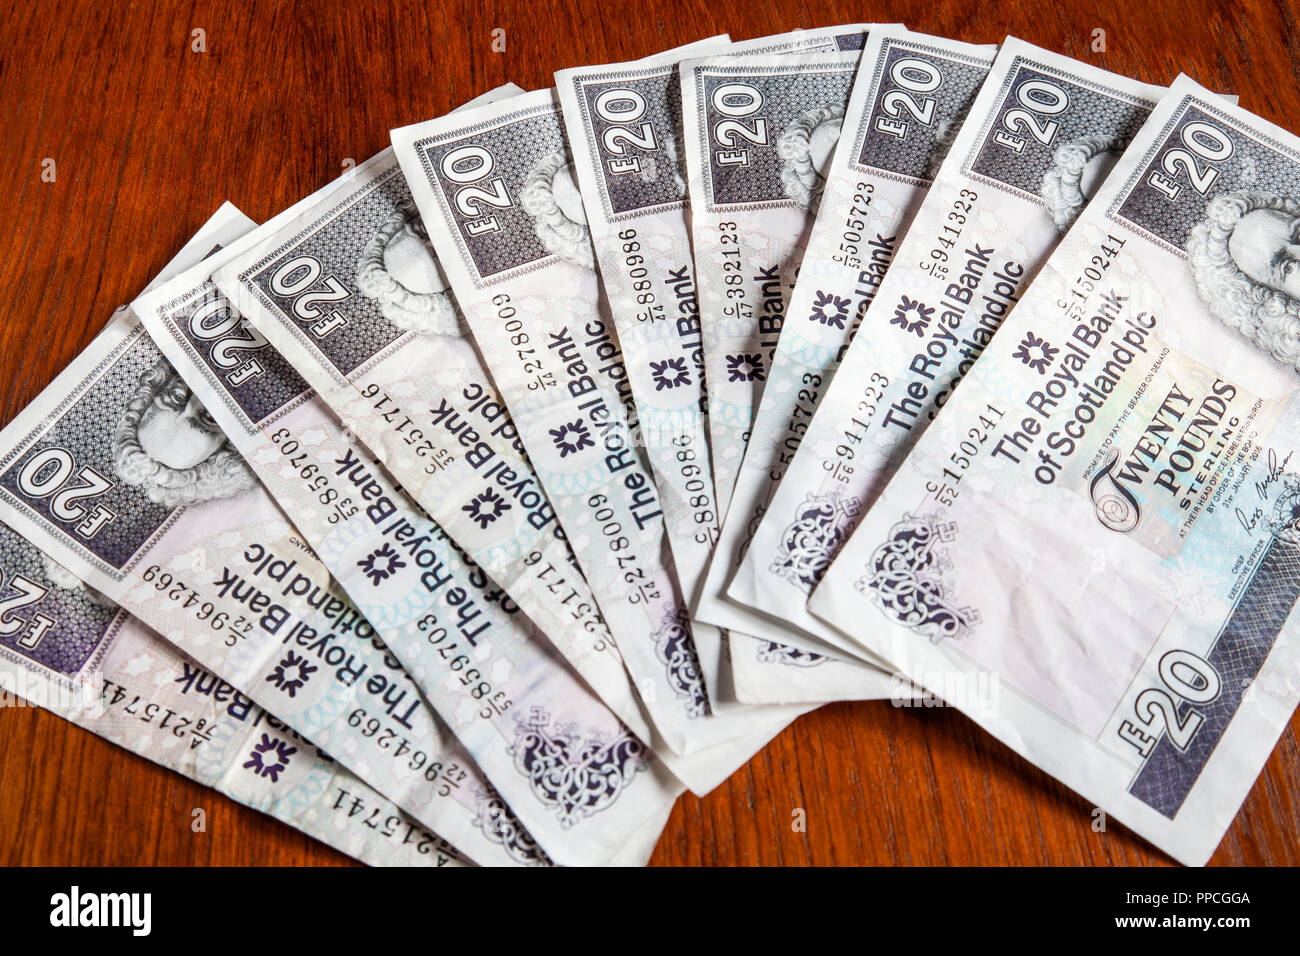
69	648
1102	520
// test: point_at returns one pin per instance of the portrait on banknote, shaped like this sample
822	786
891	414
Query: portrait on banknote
1077	169
550	196
398	270
168	445
806	149
1245	255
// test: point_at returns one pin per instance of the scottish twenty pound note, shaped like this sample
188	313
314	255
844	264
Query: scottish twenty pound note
622	122
496	193
117	473
397	365
877	179
581	784
1040	137
68	648
757	133
1102	521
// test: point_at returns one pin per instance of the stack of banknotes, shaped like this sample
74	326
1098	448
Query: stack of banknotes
553	460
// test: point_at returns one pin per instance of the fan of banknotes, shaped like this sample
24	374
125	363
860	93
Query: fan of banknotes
552	461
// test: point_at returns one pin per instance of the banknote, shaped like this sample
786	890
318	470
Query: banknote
521	265
630	168
576	778
1015	178
1102	520
843	37
68	648
623	122
757	131
422	402
117	473
875	181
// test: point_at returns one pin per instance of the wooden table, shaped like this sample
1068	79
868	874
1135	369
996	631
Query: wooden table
148	136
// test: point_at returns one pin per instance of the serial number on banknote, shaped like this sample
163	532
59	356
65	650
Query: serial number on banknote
386	824
944	489
849	252
1086	282
644	587
950	234
841	467
457	662
733	271
639	278
797	426
159	715
694	484
386	738
439	459
314	480
205	612
521	341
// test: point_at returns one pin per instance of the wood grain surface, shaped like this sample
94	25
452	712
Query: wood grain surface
148	137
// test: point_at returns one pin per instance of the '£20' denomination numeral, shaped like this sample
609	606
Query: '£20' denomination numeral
294	280
215	321
1155	712
624	106
468	166
1036	99
29	593
53	472
1202	145
915	78
737	101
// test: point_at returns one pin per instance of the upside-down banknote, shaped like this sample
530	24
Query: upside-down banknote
581	784
70	649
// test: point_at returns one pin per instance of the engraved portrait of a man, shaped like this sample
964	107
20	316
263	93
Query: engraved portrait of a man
551	198
806	149
398	270
168	445
1078	168
1245	256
